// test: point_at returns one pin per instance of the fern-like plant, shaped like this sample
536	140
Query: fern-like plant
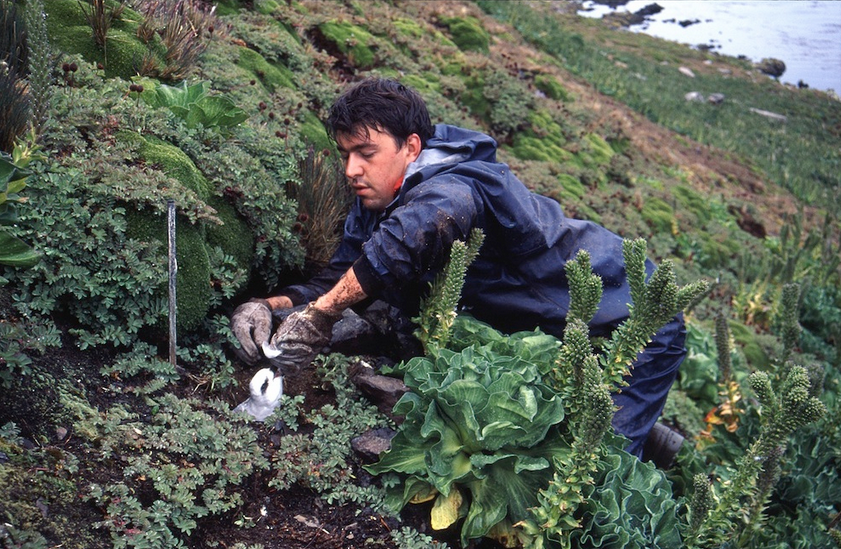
14	106
439	307
789	403
40	63
498	437
654	304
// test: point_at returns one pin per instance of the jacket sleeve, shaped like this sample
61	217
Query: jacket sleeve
418	235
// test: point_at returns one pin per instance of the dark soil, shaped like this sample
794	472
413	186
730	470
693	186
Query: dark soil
297	518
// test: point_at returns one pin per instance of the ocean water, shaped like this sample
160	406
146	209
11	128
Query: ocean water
804	34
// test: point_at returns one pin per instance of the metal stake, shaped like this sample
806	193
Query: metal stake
173	270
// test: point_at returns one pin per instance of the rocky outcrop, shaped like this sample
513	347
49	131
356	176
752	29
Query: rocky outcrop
772	67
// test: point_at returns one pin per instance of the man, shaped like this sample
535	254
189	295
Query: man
419	188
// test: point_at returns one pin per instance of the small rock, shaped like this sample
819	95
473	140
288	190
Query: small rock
716	98
383	391
772	67
686	71
353	335
312	522
4	458
43	507
61	433
373	443
694	96
769	114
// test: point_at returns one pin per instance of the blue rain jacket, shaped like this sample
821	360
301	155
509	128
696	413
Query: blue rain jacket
518	281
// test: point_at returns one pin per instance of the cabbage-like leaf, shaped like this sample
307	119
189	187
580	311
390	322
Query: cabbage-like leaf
14	252
481	424
176	98
447	510
215	111
631	507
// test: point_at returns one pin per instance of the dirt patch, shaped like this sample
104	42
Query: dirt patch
57	501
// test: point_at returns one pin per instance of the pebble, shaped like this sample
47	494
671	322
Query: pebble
716	98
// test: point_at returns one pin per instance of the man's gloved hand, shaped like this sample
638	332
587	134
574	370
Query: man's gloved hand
252	324
300	337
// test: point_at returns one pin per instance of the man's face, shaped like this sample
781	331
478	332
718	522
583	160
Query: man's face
374	164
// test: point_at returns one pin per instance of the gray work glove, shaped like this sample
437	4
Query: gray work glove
251	323
300	337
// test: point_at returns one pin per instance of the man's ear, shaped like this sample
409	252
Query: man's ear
414	146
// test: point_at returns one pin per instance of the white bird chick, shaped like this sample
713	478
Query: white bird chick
266	389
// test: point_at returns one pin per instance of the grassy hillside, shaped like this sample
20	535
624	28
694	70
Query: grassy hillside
104	442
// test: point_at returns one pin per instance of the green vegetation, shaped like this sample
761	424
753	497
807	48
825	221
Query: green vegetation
110	109
799	154
507	431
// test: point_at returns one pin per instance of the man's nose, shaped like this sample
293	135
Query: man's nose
353	168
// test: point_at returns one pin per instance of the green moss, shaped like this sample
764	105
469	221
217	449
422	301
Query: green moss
272	76
312	131
266	7
755	355
194	269
543	141
234	236
472	97
70	32
409	28
651	182
714	252
227	7
193	279
63	14
468	34
600	150
129	19
352	40
583	211
545	127
572	186
452	65
424	83
175	164
125	53
659	215
693	202
550	86
530	147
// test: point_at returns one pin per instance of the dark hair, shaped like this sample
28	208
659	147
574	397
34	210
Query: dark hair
381	104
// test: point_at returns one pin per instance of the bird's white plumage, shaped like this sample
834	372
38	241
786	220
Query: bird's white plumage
266	389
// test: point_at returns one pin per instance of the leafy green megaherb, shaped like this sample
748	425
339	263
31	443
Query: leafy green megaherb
480	432
515	446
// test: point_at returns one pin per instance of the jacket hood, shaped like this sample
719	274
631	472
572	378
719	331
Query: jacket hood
451	145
